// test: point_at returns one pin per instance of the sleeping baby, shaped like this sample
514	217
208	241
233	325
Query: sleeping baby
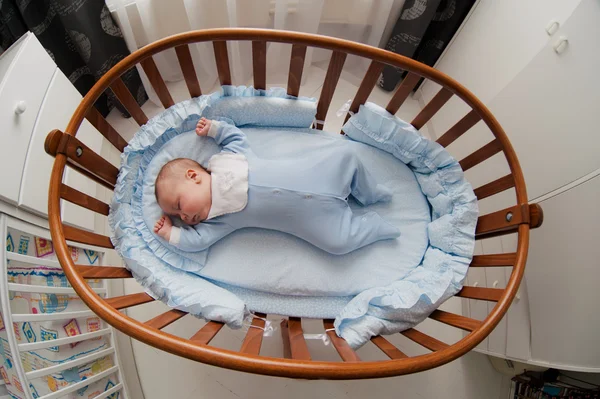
306	197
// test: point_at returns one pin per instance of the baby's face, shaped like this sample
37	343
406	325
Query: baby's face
189	197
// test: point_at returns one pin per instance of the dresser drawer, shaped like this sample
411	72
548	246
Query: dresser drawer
59	104
24	84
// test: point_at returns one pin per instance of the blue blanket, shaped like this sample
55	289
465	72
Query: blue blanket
435	247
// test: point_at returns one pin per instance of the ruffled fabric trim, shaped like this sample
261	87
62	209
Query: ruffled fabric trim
145	255
405	303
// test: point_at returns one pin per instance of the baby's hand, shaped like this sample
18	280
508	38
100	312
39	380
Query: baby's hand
203	127
163	227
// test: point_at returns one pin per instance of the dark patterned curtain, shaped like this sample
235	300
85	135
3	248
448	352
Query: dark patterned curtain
422	32
80	36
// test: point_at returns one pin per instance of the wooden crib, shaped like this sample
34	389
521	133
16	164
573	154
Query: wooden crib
297	363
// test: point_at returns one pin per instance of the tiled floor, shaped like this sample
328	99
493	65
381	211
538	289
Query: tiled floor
166	376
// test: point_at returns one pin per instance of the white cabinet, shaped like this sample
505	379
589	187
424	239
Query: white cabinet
28	69
550	113
59	103
562	275
36	97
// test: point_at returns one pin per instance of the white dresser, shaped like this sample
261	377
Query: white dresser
38	304
550	112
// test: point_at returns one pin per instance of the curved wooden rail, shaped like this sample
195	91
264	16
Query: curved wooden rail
69	151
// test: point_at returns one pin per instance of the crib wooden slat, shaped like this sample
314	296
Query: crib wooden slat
105	128
77	197
432	107
406	86
485	152
129	102
503	220
81	157
296	67
222	59
298	347
86	237
334	70
481	293
127	301
424	340
207	332
494	260
341	346
187	68
157	82
103	272
164	319
462	126
253	340
455	320
495	187
366	87
259	64
388	348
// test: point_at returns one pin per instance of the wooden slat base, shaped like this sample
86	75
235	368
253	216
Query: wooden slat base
484	294
388	348
341	346
102	272
455	320
254	336
494	260
424	340
127	301
207	332
163	320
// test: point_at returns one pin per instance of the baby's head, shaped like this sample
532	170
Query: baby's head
183	189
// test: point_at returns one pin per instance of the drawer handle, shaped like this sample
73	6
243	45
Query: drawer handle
20	107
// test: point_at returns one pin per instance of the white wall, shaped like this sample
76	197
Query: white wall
495	44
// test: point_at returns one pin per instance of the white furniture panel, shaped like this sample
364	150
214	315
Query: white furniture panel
495	278
21	93
562	274
551	107
61	100
518	332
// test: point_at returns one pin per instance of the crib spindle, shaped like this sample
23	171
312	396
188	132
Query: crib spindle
105	128
406	86
366	87
481	293
253	340
222	59
207	332
494	260
81	157
485	152
162	320
334	70
296	341
157	82
86	237
259	64
187	68
341	346
495	187
460	128
296	67
388	348
129	102
127	301
103	272
455	320
432	107
424	340
77	197
503	220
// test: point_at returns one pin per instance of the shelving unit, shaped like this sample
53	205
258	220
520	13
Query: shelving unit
64	350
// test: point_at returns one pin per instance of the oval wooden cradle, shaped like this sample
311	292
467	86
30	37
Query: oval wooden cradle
296	363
